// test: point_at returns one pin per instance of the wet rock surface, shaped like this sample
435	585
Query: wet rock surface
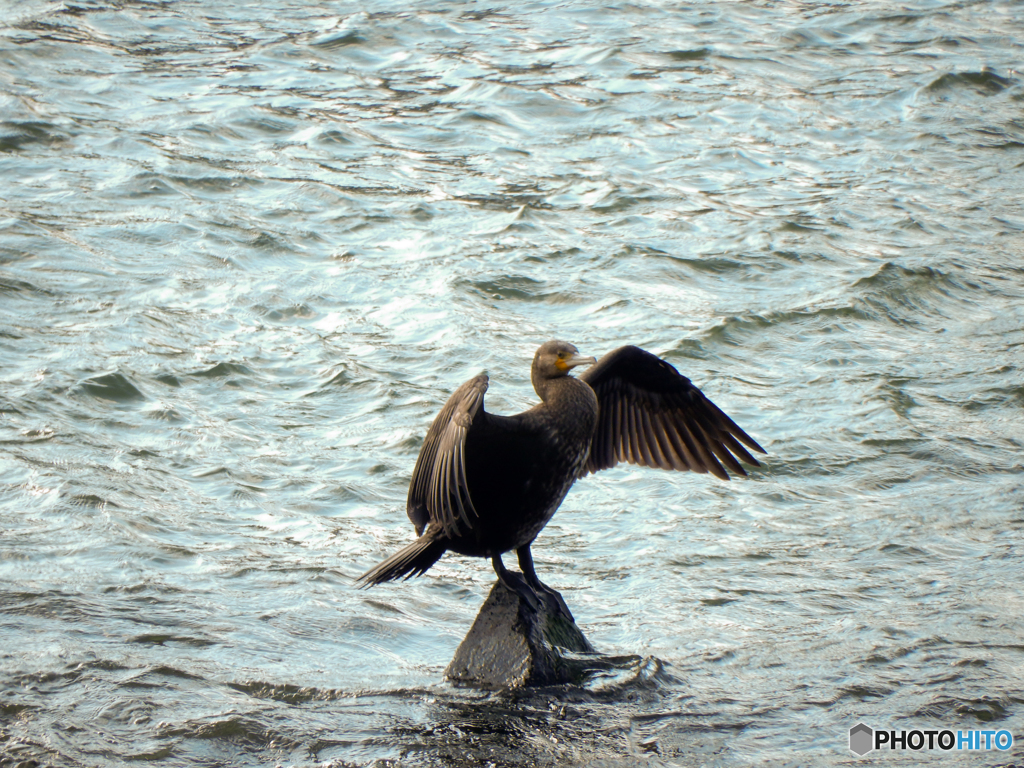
515	643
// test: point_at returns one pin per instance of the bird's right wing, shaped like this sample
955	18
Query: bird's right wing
652	415
439	491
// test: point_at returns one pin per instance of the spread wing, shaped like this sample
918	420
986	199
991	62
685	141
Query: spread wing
439	492
650	414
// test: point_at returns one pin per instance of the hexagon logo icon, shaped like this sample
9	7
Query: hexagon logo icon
861	738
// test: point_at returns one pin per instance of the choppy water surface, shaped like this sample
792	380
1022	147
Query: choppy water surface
248	249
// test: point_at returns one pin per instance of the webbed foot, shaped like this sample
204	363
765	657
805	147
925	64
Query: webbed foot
551	596
518	585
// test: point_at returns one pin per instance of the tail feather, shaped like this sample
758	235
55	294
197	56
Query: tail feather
413	560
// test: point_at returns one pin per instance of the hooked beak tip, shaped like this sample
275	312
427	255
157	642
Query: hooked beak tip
572	362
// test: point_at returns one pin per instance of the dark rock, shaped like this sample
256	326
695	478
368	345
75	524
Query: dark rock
515	643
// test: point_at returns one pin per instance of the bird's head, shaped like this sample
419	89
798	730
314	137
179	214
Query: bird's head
557	358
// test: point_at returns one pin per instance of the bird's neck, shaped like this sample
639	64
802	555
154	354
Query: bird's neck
549	390
553	391
569	407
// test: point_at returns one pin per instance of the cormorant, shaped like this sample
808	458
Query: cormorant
486	484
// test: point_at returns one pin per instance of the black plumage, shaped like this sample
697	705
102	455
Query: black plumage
486	484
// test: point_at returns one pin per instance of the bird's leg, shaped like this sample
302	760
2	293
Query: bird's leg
526	564
554	599
516	584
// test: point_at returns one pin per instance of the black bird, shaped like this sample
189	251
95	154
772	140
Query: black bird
486	484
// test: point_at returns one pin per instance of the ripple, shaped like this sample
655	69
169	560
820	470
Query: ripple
115	387
986	82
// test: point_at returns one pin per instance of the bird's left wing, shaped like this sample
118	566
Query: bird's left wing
439	491
650	414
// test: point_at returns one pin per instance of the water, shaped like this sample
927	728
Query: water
247	251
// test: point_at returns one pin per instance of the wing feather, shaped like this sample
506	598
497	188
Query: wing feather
649	443
621	451
664	444
652	415
662	457
605	455
704	444
737	449
439	491
682	440
632	436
